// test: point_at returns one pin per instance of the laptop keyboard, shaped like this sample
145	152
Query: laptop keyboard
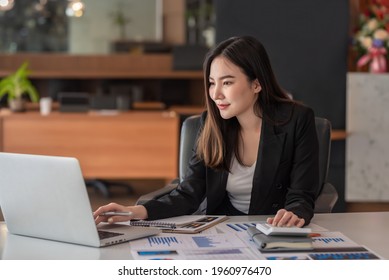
108	234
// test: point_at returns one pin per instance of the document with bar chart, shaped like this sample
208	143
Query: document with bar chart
330	246
212	246
333	240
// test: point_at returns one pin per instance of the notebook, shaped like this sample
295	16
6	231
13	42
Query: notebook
271	243
46	197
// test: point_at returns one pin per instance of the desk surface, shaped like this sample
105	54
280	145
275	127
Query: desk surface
368	229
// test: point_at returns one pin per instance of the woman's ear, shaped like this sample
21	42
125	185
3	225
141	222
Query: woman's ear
256	86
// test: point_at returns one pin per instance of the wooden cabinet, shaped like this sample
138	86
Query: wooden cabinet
154	73
124	146
57	65
129	145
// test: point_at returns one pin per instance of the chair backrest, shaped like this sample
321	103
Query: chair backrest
327	195
190	128
323	130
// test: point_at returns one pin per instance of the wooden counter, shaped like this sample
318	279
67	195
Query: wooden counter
338	134
112	66
123	146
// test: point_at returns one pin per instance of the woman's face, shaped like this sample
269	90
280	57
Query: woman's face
231	90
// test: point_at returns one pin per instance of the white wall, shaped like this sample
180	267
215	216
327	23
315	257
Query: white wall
367	149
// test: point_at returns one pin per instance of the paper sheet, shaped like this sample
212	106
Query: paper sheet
333	240
197	254
193	246
187	241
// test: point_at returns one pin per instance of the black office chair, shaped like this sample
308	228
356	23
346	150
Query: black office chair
326	197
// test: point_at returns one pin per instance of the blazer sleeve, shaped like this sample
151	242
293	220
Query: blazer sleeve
304	177
187	197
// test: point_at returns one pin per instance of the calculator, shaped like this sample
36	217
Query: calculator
288	231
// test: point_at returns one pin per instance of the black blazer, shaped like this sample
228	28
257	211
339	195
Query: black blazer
286	174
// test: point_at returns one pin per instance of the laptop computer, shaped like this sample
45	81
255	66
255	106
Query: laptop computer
46	197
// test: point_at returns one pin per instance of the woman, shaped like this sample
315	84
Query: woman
257	150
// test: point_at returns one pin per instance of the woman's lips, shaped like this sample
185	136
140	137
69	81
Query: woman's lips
222	106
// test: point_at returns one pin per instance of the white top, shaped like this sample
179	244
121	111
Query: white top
239	185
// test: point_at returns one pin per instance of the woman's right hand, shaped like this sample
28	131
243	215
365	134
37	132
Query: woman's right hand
139	212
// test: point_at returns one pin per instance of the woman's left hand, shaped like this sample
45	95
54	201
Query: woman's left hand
285	218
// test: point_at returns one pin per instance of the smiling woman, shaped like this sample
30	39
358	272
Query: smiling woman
256	152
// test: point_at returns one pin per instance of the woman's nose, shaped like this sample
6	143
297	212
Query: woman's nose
216	93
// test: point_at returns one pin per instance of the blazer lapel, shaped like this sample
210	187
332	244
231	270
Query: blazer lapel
269	154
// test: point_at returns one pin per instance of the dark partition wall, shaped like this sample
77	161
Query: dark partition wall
307	43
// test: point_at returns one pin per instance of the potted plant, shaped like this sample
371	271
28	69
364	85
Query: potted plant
15	86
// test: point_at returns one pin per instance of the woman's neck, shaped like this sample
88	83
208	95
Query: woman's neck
250	123
250	135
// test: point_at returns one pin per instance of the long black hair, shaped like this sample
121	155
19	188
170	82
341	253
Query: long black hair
219	137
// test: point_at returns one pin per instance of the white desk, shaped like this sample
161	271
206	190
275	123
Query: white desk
368	229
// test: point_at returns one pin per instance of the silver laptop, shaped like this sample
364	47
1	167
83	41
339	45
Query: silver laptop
46	197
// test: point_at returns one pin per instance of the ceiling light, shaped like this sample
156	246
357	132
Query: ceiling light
75	9
6	5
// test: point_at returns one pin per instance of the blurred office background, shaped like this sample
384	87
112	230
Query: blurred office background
309	43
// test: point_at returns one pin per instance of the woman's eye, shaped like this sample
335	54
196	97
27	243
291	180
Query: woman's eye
227	83
211	83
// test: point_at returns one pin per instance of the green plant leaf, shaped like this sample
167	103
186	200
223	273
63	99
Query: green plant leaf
17	84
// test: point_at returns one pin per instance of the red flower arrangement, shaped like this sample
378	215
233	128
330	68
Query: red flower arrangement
372	38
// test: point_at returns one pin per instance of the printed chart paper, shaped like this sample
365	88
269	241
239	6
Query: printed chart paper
213	246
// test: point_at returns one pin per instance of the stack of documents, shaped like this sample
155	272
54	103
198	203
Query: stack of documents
183	224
